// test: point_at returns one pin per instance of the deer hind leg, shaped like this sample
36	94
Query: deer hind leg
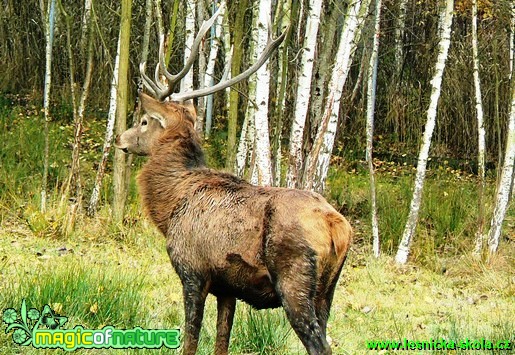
325	296
300	309
226	307
296	280
194	294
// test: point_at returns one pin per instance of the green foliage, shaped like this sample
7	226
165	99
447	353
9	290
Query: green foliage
448	215
92	297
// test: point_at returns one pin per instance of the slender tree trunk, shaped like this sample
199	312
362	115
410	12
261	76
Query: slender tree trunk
144	57
246	147
146	34
108	138
119	168
303	97
282	83
228	50
191	6
400	27
371	98
73	187
317	164
503	192
243	146
512	39
216	33
85	23
481	134
49	35
237	56
323	74
262	138
436	83
202	64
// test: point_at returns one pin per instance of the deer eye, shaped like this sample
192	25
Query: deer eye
144	122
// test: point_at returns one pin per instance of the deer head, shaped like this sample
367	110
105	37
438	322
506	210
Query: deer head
158	114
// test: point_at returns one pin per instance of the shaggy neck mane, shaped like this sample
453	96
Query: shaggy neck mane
166	178
179	147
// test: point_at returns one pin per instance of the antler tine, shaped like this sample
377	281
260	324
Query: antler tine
174	78
267	52
147	82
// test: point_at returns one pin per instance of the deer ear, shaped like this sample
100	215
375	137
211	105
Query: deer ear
153	108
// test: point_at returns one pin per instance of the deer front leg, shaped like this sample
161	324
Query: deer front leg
195	294
226	307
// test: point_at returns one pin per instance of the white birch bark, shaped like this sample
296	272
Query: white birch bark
503	191
303	96
216	33
85	21
262	139
317	164
187	81
436	84
243	148
228	53
512	39
202	65
49	37
400	27
108	138
371	98
480	130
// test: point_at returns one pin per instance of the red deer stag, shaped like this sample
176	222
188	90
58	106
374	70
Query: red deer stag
269	247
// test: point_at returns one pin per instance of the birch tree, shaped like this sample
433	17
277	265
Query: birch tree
202	64
436	84
481	133
400	26
187	81
317	164
503	191
371	98
303	96
512	40
49	38
119	168
216	33
263	163
108	137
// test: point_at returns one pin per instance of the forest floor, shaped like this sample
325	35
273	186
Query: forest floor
101	276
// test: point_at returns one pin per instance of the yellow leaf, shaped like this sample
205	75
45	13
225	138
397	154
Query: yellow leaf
94	308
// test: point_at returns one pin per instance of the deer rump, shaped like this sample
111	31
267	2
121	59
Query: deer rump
241	238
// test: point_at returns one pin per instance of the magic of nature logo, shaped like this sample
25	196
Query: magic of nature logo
43	329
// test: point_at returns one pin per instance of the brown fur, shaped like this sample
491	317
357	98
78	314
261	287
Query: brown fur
267	246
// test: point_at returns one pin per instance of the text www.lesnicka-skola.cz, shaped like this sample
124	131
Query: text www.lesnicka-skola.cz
440	344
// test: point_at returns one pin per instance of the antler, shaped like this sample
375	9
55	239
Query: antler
161	91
